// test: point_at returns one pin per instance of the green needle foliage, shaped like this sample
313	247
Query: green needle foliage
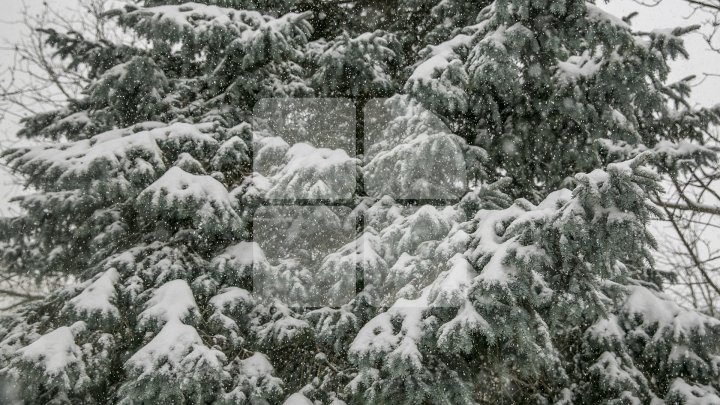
549	121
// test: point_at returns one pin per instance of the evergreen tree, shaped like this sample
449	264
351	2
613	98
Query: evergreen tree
168	195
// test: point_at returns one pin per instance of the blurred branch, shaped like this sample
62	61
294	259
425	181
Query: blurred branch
710	5
20	294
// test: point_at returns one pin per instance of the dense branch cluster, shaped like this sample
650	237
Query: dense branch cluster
549	124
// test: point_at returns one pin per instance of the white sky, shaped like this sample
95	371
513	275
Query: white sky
673	13
669	13
11	31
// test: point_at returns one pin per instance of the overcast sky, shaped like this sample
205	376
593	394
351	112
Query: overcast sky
670	13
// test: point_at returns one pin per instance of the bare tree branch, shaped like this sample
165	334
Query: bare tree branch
20	294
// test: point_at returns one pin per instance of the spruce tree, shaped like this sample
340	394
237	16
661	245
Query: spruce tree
407	201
